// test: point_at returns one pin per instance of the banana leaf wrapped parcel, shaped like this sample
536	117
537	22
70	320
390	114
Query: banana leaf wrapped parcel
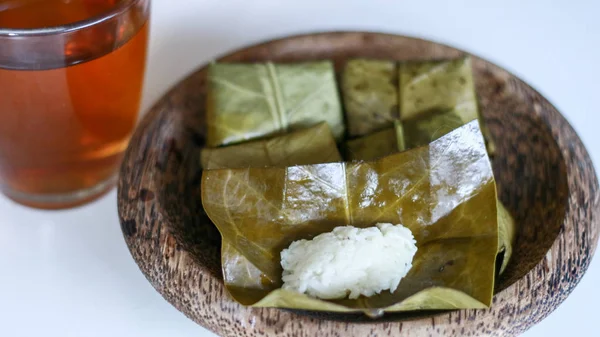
443	192
247	101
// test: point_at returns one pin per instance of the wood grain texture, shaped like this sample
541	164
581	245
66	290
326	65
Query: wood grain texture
545	178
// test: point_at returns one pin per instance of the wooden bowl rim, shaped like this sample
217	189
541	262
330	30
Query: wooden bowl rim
580	183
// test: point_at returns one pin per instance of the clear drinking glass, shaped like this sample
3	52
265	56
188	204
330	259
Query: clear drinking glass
71	74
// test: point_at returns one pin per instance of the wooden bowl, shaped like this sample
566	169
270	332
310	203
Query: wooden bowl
545	178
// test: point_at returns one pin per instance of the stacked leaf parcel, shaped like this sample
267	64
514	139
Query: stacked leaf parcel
416	156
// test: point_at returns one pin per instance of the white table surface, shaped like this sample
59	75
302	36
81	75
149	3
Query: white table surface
69	273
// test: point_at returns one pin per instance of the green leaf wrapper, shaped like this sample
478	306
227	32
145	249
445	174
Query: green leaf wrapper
506	235
436	86
250	101
370	95
303	147
436	97
376	145
416	133
445	87
443	192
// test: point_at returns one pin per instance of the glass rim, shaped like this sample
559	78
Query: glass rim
118	9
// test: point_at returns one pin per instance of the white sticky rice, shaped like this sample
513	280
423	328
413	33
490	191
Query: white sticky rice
349	261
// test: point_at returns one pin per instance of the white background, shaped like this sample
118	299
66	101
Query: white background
69	273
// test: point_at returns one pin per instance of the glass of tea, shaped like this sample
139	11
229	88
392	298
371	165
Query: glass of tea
71	74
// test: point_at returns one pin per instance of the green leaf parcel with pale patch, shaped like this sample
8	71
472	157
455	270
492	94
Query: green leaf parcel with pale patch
435	98
415	133
303	147
443	192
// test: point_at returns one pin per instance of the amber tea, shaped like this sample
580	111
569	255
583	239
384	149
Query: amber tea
71	76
